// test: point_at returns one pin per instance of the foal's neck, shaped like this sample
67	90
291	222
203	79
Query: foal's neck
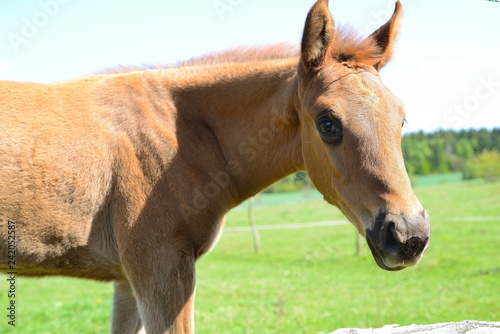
250	110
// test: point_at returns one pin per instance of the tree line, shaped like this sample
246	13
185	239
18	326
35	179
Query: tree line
446	151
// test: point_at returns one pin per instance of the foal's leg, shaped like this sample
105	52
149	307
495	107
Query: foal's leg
164	285
126	318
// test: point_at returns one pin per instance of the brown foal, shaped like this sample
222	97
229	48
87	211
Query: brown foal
128	176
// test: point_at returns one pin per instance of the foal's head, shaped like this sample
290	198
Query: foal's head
351	134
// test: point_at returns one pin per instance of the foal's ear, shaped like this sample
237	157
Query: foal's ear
386	35
318	35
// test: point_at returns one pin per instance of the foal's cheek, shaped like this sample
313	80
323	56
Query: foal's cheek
322	169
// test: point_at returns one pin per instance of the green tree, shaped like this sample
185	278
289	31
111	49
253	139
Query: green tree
486	165
464	149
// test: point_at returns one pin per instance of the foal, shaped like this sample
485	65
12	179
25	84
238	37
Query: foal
127	176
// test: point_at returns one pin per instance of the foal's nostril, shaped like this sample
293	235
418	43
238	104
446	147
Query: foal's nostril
414	246
391	242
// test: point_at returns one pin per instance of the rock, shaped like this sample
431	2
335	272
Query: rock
463	327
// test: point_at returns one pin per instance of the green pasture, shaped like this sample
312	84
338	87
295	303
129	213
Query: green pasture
309	280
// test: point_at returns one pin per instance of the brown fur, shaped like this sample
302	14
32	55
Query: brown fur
128	176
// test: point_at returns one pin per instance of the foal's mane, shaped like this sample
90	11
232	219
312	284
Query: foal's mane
348	47
240	54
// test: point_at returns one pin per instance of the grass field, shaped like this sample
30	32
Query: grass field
309	280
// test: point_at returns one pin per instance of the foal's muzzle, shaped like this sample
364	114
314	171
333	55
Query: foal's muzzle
398	242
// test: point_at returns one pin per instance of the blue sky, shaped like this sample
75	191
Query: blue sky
446	67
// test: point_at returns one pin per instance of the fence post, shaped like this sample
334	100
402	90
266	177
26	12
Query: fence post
255	233
358	244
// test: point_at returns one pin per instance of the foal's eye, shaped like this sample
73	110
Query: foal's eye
330	129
